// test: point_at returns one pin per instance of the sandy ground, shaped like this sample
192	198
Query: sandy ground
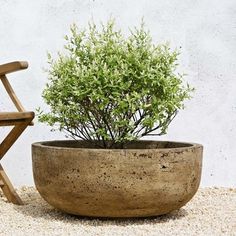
211	212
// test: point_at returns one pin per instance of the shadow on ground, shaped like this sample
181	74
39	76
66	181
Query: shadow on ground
36	207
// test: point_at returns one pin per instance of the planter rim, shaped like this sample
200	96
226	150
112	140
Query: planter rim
186	145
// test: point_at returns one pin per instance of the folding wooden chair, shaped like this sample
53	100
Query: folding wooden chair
19	120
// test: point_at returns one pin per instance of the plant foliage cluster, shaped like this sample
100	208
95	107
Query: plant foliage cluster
112	88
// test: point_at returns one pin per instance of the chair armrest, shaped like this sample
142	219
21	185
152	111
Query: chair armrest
12	67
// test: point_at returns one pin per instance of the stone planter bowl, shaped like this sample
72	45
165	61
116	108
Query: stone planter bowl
147	178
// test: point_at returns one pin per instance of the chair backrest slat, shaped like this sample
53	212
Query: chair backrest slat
11	93
12	67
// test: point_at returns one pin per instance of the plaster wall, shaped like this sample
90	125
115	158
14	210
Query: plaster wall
206	31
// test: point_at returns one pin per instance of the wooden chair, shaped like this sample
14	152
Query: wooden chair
19	120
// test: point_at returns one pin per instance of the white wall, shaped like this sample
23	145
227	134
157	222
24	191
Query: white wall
206	31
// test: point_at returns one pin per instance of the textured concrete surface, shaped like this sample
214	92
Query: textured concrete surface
146	179
206	31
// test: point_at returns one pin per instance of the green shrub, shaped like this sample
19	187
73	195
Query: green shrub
113	88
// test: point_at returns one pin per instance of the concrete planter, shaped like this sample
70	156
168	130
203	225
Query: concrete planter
147	178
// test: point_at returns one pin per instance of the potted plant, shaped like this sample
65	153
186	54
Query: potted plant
107	92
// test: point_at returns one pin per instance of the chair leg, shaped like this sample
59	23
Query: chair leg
8	188
6	144
12	137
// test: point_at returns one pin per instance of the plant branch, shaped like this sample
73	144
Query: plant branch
169	118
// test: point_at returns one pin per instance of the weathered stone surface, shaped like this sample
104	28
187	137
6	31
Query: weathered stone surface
147	178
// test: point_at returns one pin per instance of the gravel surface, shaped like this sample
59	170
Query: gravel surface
211	212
